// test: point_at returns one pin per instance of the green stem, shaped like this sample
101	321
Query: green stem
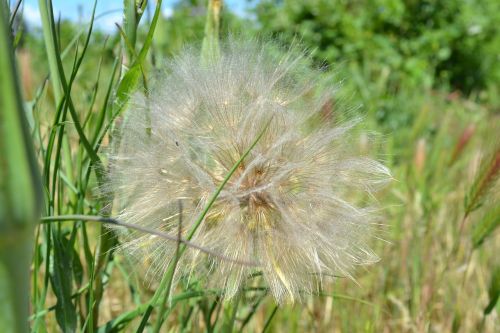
270	319
15	258
20	192
210	50
166	280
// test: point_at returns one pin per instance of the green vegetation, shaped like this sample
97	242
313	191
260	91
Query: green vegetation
424	74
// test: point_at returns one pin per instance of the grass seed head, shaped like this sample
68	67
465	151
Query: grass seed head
288	206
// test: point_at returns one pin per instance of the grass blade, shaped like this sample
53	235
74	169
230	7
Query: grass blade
494	291
270	319
485	227
131	78
61	281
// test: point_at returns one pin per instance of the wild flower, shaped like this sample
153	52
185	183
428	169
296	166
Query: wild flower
289	205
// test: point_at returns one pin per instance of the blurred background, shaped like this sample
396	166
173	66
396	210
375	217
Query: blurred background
425	76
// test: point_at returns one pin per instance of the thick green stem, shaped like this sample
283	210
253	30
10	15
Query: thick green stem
16	249
20	192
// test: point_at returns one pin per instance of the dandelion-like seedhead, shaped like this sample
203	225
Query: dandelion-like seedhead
288	206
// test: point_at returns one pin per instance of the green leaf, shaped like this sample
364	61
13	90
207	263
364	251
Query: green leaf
130	80
494	291
58	74
127	85
77	268
61	280
119	322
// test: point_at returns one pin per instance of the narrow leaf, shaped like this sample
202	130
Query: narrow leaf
494	291
485	227
61	280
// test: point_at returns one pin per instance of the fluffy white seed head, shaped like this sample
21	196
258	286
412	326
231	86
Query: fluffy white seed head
288	207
